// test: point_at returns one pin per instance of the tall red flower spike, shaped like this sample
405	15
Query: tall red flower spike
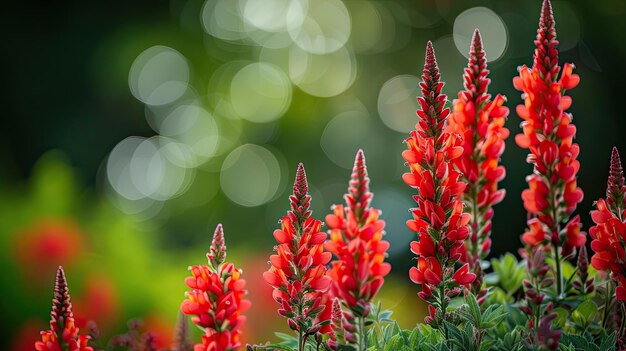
548	133
216	299
298	269
356	234
481	123
609	233
438	220
63	333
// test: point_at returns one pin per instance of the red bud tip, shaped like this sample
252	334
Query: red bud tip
615	185
358	197
217	251
300	186
546	21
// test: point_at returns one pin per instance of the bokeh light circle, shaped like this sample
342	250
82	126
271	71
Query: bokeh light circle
492	30
397	103
223	19
250	175
137	169
159	76
322	75
323	28
118	168
344	135
260	92
367	25
274	15
195	127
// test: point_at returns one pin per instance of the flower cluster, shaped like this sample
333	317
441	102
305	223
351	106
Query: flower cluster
609	233
63	333
438	220
548	134
298	269
356	234
480	121
216	299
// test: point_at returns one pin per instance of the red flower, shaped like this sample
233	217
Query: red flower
356	234
438	219
481	123
298	269
609	233
548	134
48	243
216	299
63	333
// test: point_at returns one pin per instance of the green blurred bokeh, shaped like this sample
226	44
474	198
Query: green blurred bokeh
130	130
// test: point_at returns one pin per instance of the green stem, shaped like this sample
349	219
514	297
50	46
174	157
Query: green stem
607	304
559	274
300	340
361	335
444	307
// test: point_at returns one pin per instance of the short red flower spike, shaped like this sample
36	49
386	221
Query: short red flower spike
63	333
356	234
298	269
216	300
439	220
480	121
548	133
609	233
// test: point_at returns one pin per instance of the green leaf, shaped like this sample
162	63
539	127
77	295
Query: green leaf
474	309
608	343
585	313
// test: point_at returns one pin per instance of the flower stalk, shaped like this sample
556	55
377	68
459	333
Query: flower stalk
298	268
63	333
548	134
356	233
216	300
438	220
480	120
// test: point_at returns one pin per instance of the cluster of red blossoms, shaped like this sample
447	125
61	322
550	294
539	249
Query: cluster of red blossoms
298	269
609	233
63	333
356	234
439	219
480	121
216	300
548	134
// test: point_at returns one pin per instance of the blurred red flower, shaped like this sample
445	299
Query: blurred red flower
48	243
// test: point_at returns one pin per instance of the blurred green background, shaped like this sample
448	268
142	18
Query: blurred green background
131	129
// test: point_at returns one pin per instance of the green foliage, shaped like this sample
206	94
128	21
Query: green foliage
506	278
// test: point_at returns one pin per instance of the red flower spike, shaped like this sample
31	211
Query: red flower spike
298	269
481	123
216	299
356	234
438	219
609	232
63	333
548	134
